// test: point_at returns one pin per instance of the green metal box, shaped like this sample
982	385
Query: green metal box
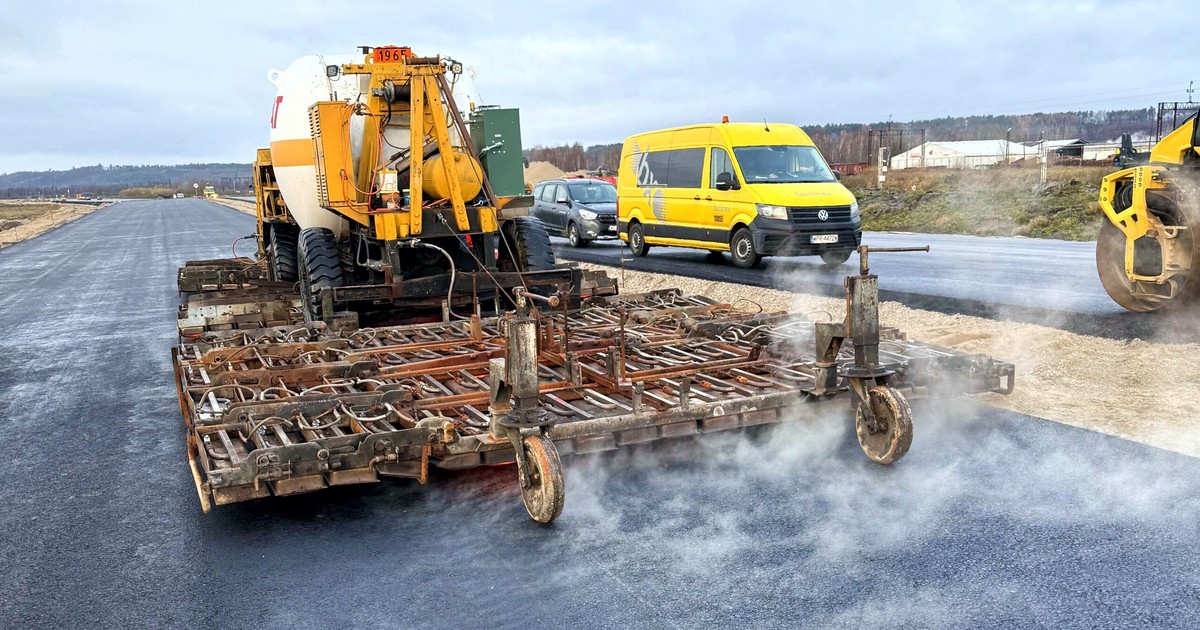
496	133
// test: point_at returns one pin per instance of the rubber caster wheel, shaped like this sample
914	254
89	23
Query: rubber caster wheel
884	425
544	497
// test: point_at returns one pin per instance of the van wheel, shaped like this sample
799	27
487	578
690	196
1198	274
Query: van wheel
574	237
637	240
741	248
836	258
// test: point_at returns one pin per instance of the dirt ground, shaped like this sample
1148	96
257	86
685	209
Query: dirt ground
20	220
1143	391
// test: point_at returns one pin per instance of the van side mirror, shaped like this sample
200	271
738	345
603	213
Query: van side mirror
837	175
562	198
725	181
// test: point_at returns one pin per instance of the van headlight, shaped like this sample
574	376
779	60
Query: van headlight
772	212
854	210
588	215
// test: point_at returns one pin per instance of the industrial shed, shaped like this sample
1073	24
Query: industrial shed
961	154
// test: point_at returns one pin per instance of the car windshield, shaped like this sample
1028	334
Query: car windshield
782	164
593	193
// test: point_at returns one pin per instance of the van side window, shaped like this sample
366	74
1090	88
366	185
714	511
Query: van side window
548	193
651	168
537	191
720	164
685	168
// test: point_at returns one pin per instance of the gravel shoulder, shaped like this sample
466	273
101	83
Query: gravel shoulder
34	219
236	204
1138	390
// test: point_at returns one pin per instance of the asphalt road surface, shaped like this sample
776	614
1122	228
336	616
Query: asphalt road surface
1030	280
992	519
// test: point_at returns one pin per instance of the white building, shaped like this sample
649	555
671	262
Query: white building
961	154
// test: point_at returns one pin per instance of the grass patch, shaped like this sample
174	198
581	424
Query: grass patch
990	202
24	211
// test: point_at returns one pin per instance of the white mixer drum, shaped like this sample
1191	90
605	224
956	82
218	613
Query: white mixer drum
307	81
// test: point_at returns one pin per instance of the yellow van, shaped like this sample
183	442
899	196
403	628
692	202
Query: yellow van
752	189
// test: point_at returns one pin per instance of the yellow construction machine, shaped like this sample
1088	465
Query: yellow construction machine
1150	244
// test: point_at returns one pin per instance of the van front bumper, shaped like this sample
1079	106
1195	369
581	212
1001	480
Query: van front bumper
777	237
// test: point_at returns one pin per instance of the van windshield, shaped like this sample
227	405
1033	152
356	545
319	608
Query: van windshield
782	164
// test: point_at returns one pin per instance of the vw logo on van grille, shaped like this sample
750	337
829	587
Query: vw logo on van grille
823	214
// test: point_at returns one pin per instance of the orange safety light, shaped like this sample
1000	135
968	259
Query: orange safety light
724	119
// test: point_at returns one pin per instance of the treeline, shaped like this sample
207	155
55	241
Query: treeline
576	157
101	180
848	142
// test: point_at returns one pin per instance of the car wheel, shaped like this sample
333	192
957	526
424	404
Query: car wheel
574	237
741	249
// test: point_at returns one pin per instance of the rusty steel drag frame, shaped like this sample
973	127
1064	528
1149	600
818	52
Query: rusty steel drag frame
273	405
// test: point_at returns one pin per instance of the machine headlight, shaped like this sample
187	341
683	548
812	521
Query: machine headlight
588	215
853	209
772	212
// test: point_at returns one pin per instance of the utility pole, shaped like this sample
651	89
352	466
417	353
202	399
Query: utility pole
1045	161
883	165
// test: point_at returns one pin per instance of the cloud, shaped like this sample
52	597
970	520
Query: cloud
90	82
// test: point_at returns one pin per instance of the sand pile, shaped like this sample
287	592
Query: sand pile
540	172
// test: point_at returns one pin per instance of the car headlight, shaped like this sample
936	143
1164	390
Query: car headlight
772	212
853	209
588	215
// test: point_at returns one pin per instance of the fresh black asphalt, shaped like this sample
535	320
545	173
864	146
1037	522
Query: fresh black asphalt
992	520
1040	281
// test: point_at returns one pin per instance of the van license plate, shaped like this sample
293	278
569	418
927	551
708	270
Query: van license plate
823	238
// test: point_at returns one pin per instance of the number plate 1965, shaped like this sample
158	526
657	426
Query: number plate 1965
823	238
390	54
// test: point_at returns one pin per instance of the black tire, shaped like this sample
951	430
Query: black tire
741	249
575	237
320	268
836	258
637	240
282	254
528	237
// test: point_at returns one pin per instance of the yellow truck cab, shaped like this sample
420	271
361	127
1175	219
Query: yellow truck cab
753	189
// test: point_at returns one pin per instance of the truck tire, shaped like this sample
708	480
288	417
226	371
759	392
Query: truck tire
282	254
320	268
741	249
528	237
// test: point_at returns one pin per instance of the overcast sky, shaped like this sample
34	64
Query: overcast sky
168	82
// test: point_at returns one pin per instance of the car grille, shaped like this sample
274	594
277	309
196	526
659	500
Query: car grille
607	218
809	215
